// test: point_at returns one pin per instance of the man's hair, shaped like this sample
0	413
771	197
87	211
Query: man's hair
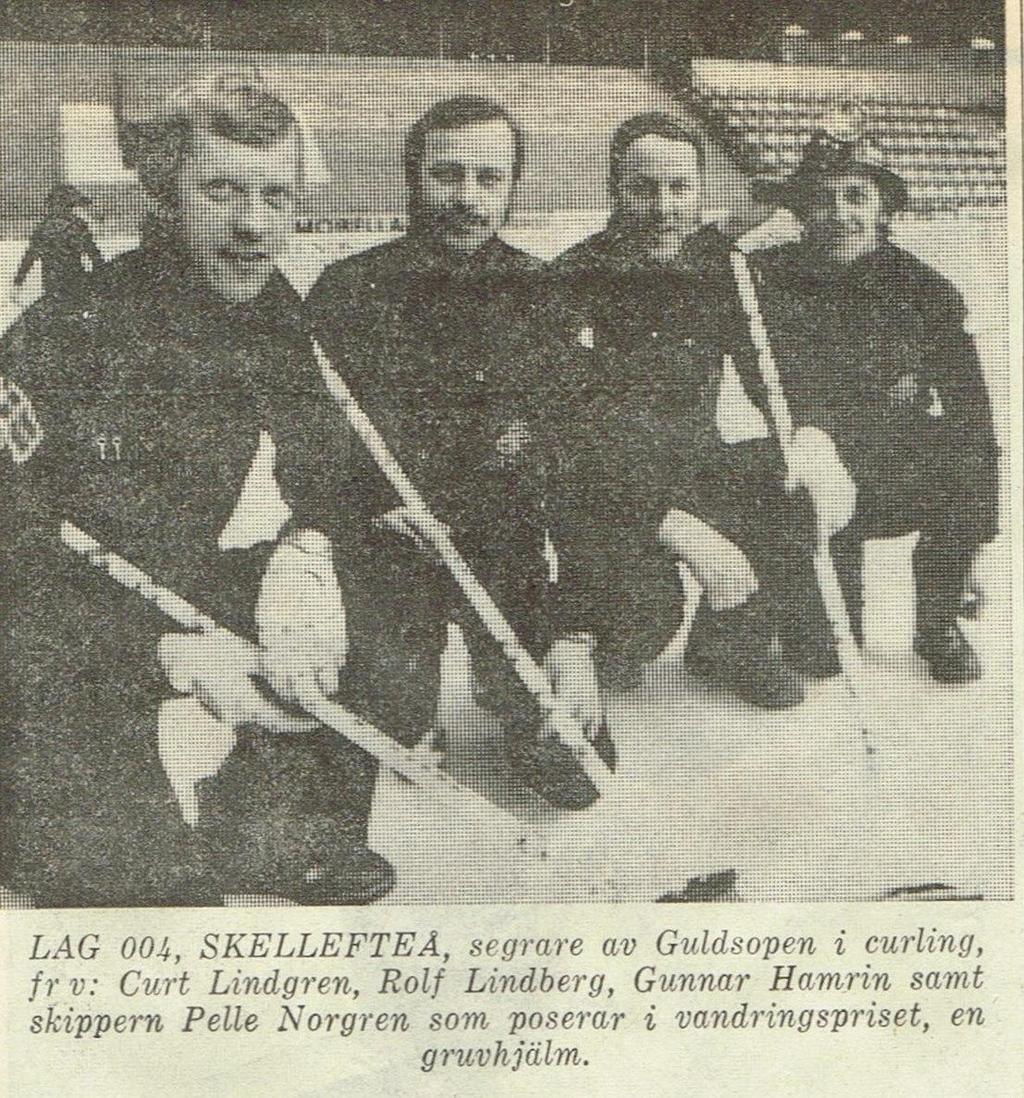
453	114
230	103
653	123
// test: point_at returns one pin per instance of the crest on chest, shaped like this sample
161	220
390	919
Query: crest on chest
20	432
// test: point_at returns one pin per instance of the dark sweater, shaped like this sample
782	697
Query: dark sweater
844	337
641	347
442	354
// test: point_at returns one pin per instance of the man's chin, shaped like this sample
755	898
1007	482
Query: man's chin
847	252
464	239
240	287
662	247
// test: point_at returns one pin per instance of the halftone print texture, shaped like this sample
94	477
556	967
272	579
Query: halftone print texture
588	393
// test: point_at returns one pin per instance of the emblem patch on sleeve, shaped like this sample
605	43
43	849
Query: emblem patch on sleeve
20	432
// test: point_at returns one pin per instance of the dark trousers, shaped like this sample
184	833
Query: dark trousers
741	495
89	818
942	561
281	803
775	530
942	509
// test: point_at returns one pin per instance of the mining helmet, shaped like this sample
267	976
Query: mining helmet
830	153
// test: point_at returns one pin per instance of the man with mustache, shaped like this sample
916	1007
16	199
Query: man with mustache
433	333
872	347
648	315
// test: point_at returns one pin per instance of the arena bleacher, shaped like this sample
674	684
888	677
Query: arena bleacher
948	147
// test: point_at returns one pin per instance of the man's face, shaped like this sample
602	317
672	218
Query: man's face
844	217
466	182
659	193
238	209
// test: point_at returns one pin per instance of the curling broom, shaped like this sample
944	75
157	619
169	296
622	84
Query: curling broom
419	769
850	660
569	731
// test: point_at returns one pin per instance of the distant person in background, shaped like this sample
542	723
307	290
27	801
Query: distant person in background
871	346
649	321
61	243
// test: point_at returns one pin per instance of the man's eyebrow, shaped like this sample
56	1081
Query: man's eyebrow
659	179
483	165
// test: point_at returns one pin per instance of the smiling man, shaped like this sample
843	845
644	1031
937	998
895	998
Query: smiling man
237	210
648	315
872	347
140	406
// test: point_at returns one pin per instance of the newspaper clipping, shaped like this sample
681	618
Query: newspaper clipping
510	548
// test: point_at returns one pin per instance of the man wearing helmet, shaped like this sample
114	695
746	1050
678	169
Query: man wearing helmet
871	346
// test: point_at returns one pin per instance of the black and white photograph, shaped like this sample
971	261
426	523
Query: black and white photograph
502	453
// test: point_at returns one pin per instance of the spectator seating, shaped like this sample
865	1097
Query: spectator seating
953	156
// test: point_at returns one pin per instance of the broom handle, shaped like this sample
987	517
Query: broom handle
569	731
421	771
778	406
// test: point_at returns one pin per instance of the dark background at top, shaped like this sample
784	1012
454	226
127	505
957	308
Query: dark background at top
584	32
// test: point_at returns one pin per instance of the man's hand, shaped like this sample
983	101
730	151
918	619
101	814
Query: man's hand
300	617
216	669
813	465
570	666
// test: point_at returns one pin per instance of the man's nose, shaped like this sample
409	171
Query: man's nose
467	193
662	202
251	217
839	209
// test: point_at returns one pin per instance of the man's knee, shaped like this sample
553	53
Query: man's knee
722	569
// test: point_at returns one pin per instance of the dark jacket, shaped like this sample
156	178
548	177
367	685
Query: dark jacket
148	394
876	354
441	354
642	348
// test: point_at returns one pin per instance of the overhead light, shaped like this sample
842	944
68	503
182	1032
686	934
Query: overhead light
794	30
982	44
852	36
903	40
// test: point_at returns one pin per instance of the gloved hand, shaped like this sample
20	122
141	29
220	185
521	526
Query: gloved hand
300	616
813	465
569	665
216	669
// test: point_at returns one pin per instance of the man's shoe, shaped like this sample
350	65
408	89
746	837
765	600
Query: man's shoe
820	661
949	656
356	876
305	857
759	678
552	771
